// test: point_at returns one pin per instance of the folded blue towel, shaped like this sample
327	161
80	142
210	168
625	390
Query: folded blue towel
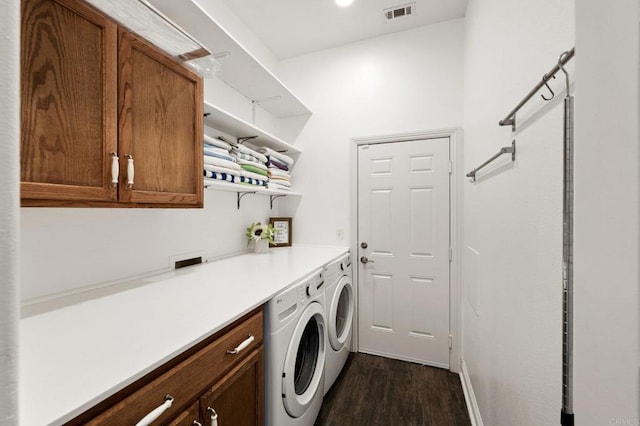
219	176
210	153
251	181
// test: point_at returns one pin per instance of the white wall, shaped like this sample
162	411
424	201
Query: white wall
513	213
401	82
67	249
9	213
607	214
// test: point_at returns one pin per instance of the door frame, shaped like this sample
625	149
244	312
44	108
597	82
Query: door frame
455	228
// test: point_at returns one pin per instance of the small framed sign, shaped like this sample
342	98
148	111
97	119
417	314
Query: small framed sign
283	237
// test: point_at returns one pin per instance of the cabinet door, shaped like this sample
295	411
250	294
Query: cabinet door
237	399
189	417
161	126
68	94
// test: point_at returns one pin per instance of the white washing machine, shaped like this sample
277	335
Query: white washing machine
295	339
340	310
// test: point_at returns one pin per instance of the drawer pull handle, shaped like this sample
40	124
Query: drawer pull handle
214	416
130	171
242	345
196	423
115	169
157	412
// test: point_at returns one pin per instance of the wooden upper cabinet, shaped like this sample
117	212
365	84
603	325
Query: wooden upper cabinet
68	95
91	90
160	108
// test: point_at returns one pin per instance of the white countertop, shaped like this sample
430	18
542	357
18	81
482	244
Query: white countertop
73	357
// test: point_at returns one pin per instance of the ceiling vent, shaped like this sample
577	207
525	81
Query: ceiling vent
399	11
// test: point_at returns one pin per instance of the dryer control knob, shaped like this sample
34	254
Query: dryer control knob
311	290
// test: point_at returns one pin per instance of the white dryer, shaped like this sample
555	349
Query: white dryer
295	339
340	311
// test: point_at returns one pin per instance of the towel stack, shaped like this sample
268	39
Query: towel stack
278	166
219	164
253	165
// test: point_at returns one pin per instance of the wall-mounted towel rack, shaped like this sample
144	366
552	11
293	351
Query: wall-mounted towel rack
510	119
505	150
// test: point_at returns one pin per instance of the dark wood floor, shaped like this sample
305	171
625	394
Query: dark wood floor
372	390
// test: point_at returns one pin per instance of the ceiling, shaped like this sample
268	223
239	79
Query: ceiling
295	27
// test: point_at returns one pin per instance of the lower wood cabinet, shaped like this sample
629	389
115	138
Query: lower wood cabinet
222	376
237	399
189	417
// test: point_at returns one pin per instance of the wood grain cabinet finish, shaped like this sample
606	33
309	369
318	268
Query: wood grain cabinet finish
237	399
91	90
186	379
189	417
161	125
68	97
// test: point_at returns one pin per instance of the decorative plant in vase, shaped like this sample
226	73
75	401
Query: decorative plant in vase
261	235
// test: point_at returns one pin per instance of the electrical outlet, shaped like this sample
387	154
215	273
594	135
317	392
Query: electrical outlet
339	234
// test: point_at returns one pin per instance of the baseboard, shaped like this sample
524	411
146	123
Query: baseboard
403	358
469	396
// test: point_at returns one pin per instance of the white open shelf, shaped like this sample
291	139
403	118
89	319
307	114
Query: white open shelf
242	190
236	187
240	69
238	128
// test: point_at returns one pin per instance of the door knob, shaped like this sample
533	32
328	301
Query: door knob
365	260
364	245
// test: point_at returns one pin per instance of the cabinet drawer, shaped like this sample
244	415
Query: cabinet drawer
187	380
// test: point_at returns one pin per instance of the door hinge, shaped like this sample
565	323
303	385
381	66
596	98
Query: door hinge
450	254
450	341
450	167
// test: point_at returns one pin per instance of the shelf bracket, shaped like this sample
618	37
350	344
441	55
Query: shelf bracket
244	139
239	196
273	197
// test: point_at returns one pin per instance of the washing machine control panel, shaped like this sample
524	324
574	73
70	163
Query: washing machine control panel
311	287
345	265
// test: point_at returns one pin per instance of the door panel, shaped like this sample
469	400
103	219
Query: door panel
160	106
403	215
68	112
382	296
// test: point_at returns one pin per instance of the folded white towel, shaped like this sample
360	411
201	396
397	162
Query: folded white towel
218	169
278	155
280	180
245	156
217	142
274	171
215	161
277	186
247	150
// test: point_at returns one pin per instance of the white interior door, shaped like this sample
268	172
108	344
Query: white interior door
403	220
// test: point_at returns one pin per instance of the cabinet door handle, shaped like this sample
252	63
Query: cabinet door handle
196	423
115	169
242	345
130	171
156	412
214	416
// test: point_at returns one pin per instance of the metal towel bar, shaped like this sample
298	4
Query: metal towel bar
510	119
505	150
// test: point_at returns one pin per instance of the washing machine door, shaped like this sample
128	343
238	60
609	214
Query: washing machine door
341	313
304	364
